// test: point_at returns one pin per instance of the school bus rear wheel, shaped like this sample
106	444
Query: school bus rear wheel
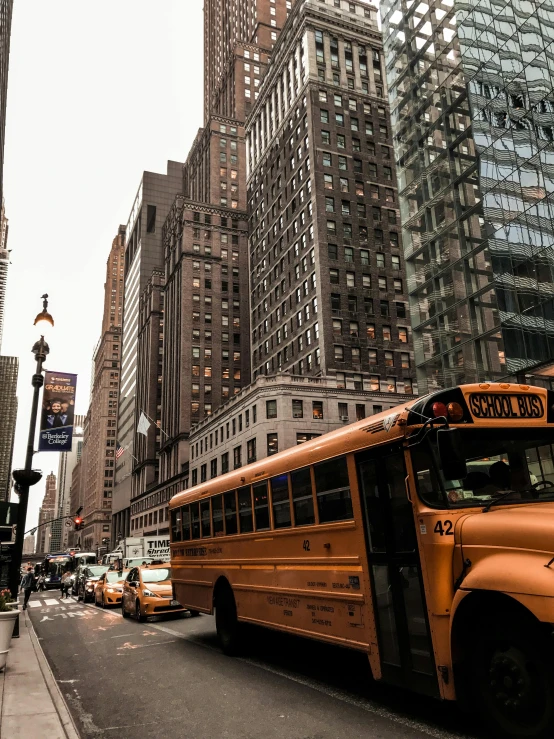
226	622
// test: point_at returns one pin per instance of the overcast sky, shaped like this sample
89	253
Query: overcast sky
98	92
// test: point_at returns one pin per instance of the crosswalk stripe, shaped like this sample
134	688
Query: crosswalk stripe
37	603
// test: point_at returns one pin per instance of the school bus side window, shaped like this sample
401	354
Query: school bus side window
217	515
230	503
245	510
261	506
302	498
176	525
333	490
280	501
205	518
195	520
186	523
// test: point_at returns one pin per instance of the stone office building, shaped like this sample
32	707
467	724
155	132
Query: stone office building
274	413
328	285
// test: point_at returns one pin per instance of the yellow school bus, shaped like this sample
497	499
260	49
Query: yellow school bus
423	536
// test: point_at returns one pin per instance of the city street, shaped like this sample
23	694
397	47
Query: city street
168	677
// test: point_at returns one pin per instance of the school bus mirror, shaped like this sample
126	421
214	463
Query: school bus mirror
451	454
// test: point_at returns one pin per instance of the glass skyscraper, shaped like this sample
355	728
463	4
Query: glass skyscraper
472	105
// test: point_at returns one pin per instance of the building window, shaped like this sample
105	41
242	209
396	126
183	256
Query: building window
213	468
237	457
343	411
224	463
297	409
251	450
360	411
317	410
203	473
271	409
303	437
272	444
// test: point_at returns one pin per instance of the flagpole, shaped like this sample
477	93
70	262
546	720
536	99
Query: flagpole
126	449
154	423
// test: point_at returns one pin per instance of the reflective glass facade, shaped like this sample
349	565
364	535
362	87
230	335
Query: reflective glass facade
472	106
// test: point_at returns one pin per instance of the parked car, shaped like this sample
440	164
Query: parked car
109	588
147	592
88	578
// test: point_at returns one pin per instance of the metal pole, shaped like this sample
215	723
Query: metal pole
24	486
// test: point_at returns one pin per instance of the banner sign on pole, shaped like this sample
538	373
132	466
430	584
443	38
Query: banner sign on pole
58	412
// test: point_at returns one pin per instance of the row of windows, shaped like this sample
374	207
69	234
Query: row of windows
348	253
251	445
318	494
150	519
351	282
341	354
353	330
351	303
226	431
367	126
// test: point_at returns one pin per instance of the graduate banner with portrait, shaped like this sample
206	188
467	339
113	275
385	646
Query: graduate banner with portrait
58	412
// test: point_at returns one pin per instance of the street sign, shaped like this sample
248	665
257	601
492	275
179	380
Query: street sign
8	513
5	562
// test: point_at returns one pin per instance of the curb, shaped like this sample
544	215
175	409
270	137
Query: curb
58	700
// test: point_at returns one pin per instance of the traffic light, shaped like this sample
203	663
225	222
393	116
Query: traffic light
79	523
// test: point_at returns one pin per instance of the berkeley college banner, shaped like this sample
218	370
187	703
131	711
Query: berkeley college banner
58	412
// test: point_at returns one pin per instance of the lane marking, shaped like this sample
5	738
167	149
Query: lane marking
34	604
51	601
364	704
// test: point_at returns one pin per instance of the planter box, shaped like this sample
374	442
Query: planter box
7	620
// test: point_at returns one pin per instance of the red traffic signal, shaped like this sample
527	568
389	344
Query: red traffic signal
78	521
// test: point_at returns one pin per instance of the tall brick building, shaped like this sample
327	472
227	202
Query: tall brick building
206	360
46	513
143	255
99	447
328	286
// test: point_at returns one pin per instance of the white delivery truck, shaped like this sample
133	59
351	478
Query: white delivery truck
134	550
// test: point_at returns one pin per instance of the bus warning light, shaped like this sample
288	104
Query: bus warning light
455	412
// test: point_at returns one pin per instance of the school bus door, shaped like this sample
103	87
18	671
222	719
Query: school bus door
405	646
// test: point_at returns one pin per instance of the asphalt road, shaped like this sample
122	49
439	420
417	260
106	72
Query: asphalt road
168	678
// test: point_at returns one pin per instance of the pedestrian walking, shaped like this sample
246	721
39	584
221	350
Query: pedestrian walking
66	577
41	583
27	584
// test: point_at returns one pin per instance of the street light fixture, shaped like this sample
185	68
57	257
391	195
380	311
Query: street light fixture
27	477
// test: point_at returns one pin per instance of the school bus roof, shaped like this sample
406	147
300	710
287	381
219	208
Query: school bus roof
378	429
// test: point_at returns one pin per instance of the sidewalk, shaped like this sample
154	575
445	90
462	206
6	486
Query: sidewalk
29	695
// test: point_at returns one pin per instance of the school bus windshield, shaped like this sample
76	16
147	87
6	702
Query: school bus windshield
516	465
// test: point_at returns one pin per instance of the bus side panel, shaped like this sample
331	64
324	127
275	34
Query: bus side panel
193	586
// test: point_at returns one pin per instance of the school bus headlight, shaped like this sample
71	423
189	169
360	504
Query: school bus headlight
455	412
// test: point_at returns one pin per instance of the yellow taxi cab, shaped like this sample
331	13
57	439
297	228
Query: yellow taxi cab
147	592
109	588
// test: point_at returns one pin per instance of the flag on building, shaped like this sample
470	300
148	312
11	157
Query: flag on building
119	451
143	425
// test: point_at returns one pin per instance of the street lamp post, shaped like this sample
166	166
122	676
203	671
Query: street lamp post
27	477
